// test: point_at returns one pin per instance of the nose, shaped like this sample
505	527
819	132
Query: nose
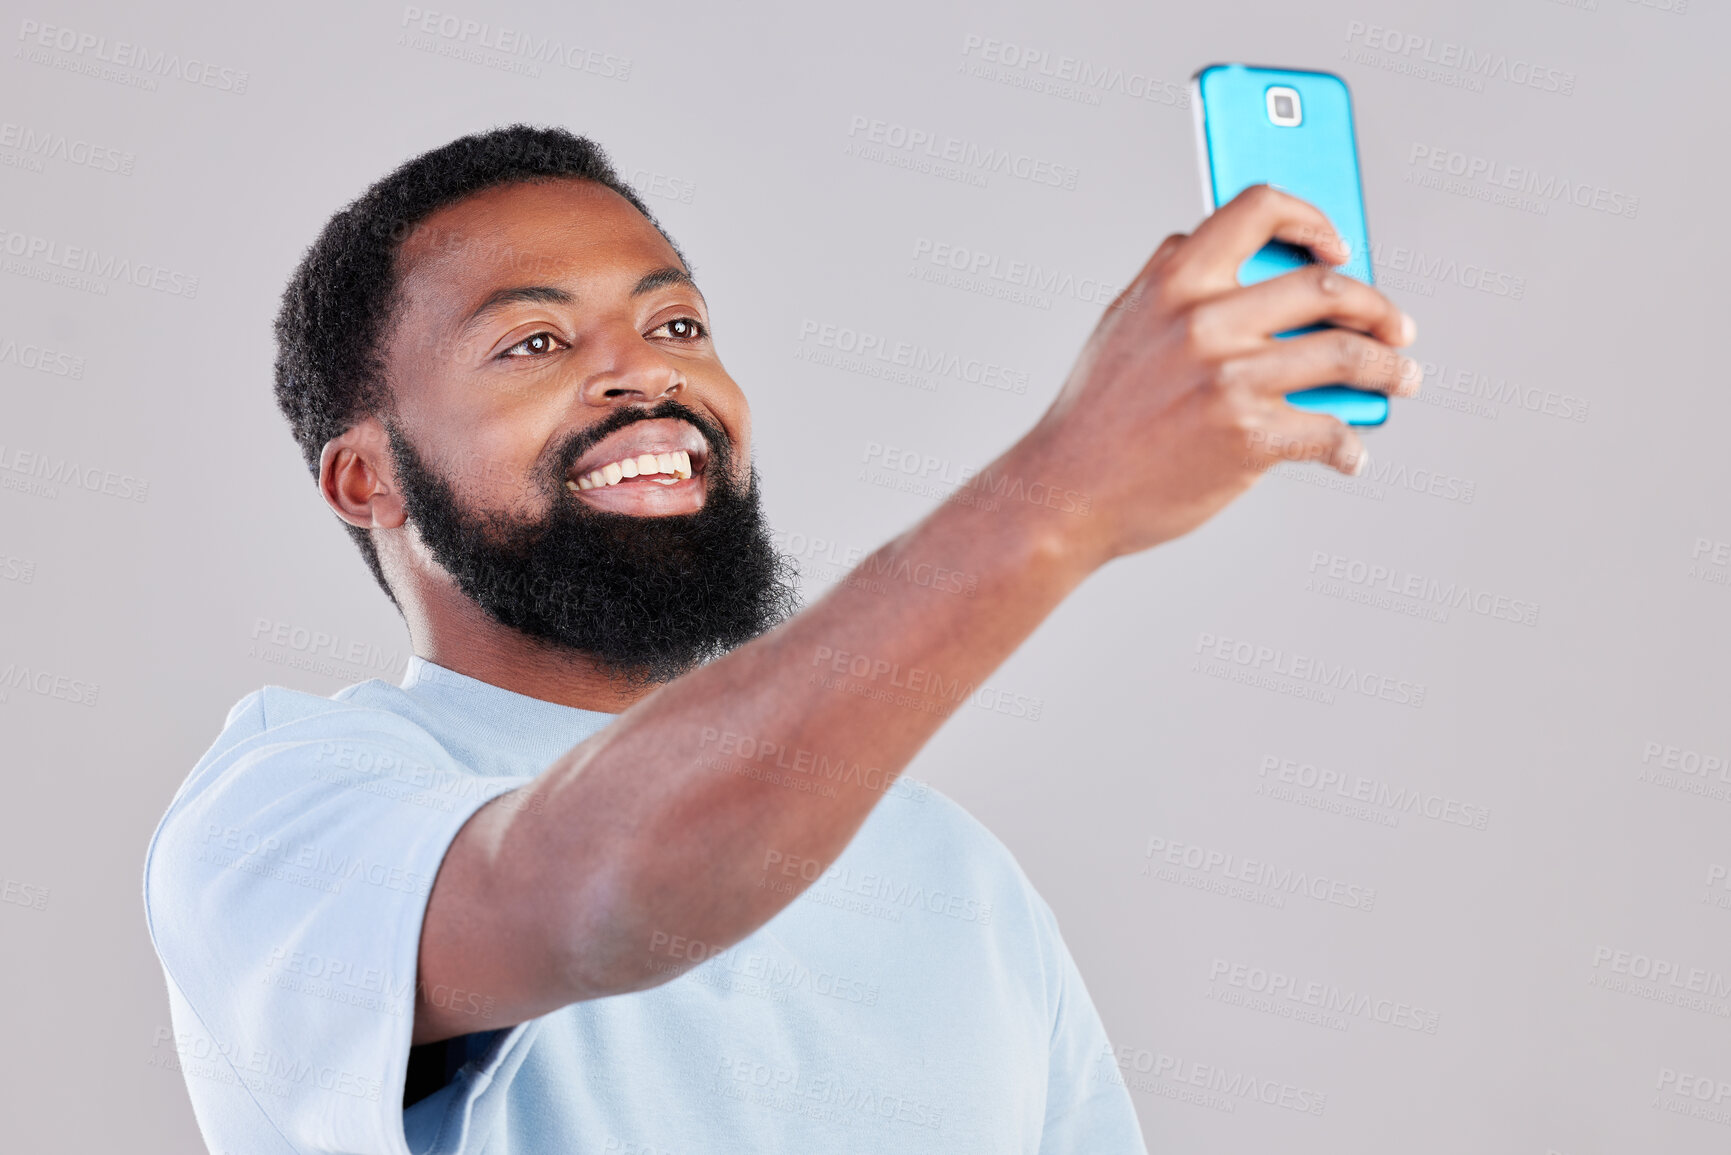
635	373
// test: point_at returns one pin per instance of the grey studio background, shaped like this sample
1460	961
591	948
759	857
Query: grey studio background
1487	913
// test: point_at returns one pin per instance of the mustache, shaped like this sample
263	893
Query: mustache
582	441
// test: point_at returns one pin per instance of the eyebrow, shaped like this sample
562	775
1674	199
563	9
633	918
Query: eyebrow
517	294
663	277
553	295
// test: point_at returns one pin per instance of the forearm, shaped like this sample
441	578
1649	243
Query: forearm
661	825
670	813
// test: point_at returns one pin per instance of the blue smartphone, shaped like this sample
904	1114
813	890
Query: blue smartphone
1291	129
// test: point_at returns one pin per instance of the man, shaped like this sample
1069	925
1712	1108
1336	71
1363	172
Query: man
468	913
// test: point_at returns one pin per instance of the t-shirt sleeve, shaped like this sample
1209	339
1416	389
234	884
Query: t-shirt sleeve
285	891
1088	1108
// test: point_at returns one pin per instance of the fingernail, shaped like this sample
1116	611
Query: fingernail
1362	463
1408	329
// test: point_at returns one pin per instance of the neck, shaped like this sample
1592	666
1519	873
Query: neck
449	630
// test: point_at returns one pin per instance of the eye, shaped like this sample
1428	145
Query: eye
534	345
682	329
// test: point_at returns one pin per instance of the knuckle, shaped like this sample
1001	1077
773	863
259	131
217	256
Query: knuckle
1348	354
1228	376
1201	326
1219	401
1261	195
1328	282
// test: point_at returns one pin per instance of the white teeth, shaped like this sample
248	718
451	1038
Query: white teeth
675	465
571	485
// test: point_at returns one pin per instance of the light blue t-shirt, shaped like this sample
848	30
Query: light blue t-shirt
917	998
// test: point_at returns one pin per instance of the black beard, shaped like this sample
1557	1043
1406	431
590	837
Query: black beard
646	598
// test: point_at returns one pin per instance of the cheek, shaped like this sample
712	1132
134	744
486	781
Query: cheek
735	417
496	465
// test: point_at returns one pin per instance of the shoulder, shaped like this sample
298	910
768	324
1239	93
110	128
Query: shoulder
946	825
288	767
274	730
931	835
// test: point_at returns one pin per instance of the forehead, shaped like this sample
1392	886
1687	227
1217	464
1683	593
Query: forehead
546	232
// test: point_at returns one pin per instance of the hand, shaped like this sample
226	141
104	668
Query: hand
1177	402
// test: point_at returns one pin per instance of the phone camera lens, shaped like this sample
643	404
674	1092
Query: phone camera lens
1284	108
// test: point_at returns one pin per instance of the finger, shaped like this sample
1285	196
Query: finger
1297	435
1329	357
1248	221
1154	267
1307	297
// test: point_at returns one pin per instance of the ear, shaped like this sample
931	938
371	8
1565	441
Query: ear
357	480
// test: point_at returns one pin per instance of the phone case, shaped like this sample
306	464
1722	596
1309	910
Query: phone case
1317	160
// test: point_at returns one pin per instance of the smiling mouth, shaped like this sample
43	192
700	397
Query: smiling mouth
650	456
660	468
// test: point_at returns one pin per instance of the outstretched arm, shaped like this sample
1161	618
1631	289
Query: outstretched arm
1174	408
